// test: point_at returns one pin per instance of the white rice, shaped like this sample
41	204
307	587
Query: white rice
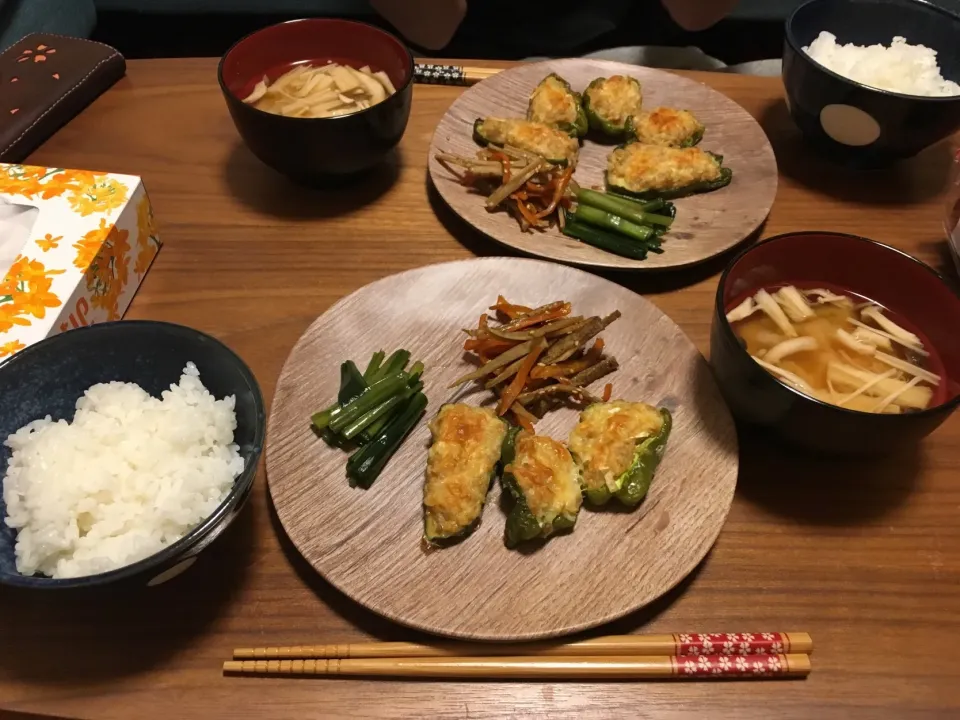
902	68
129	476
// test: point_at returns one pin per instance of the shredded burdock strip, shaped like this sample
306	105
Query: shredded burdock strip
498	362
514	356
571	343
516	385
595	372
513	184
543	331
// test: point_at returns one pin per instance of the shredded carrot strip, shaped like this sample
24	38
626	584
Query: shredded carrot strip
516	385
570	367
537	190
523	418
478	335
525	213
488	346
526	322
508	309
542	372
607	392
504	160
558	193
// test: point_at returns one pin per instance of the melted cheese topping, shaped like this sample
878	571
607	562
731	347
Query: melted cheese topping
639	167
466	447
666	126
552	103
547	476
545	141
605	439
616	99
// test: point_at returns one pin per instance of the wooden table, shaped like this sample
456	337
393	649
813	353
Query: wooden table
866	557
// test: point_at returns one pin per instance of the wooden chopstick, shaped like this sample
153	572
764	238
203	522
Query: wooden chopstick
712	667
678	645
476	74
451	74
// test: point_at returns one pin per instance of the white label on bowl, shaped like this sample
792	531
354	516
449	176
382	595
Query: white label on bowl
849	125
171	573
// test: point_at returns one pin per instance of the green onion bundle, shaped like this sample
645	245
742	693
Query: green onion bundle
619	225
374	412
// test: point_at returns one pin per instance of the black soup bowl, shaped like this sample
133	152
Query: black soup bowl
860	125
48	378
316	149
878	272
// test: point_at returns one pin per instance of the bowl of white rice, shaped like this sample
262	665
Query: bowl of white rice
873	82
126	449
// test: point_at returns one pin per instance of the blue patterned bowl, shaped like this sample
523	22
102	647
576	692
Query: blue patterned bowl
49	377
854	123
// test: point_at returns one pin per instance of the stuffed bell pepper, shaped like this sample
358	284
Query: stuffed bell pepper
461	464
668	127
652	171
611	102
554	103
544	483
553	145
618	446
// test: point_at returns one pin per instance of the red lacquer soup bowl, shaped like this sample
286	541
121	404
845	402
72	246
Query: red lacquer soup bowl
900	283
309	149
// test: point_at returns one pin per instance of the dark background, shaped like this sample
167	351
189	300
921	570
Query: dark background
139	35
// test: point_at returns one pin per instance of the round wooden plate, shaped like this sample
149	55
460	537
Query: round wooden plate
367	543
706	225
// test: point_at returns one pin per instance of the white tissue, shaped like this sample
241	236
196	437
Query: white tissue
16	223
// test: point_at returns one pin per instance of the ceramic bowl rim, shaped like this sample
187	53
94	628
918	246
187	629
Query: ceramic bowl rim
798	48
721	316
326	21
240	489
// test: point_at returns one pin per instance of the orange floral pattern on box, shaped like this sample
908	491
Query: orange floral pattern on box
103	254
88	246
101	194
25	293
147	242
44	183
87	192
14	346
48	242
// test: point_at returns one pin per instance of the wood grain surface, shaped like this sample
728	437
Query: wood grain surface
367	543
706	224
863	555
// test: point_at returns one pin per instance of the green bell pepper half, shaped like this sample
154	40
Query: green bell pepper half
483	140
726	175
632	486
444	540
521	523
578	128
598	122
690	141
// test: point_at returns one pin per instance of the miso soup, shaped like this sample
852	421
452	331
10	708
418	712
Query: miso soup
838	347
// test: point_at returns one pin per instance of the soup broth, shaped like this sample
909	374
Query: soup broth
839	348
321	91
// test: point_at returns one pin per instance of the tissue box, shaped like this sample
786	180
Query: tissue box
74	247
